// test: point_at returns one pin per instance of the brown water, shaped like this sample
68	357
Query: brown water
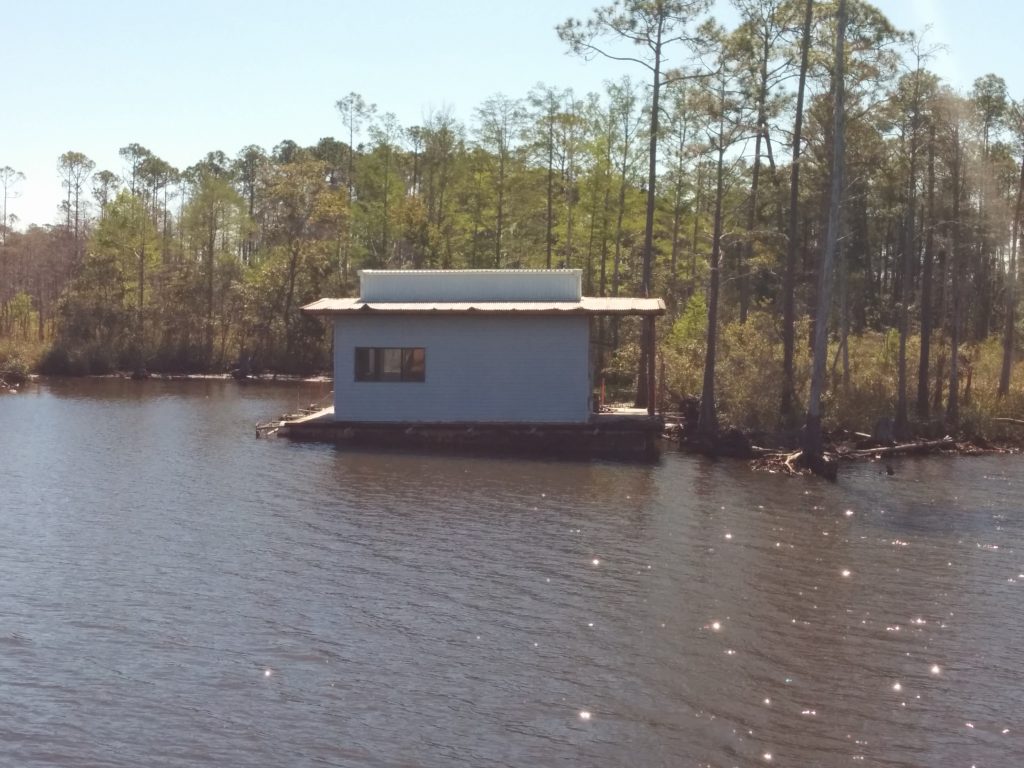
174	592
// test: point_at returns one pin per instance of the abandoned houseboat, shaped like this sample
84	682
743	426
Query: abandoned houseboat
491	359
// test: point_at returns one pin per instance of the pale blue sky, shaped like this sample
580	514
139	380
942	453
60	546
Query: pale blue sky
191	76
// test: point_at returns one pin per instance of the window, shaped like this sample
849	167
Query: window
391	364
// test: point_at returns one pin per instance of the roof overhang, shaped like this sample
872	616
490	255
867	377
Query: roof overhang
588	305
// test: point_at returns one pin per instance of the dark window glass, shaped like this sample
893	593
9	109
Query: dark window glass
390	364
364	364
414	364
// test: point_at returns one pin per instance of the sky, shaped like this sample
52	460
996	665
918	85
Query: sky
192	76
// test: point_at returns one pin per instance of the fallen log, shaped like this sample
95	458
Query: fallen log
923	446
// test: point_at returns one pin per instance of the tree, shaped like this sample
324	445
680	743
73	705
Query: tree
248	169
305	216
813	440
679	177
991	103
787	407
652	26
728	123
442	164
624	123
9	179
958	183
134	154
354	112
547	105
913	92
104	185
927	278
213	223
1009	321
104	310
385	134
75	169
501	120
601	128
155	177
764	27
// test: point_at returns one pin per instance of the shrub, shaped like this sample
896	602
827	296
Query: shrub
749	372
17	359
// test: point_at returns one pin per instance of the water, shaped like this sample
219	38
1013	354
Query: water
174	592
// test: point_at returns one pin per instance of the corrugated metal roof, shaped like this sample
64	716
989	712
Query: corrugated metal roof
588	305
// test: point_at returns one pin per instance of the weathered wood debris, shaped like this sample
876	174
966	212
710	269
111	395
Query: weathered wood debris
784	458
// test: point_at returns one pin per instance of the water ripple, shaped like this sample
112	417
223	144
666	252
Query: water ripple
174	588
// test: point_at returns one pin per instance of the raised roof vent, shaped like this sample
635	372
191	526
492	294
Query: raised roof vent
438	285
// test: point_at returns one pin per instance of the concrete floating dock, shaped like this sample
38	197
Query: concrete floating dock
628	434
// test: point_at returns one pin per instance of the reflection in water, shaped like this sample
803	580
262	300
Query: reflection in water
172	586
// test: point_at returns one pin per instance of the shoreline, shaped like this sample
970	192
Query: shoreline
781	451
248	379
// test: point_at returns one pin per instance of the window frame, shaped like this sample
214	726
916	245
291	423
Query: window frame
377	365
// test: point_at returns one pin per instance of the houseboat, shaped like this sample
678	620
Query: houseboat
493	359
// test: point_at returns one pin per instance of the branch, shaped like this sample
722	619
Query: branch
593	49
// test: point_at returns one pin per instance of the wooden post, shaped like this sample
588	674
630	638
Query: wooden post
651	346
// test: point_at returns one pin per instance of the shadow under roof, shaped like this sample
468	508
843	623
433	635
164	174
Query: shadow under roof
588	305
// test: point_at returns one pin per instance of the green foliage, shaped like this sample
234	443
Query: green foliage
101	314
17	359
749	389
205	268
18	317
751	361
870	394
684	348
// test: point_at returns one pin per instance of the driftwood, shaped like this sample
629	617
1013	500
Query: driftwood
1018	422
923	446
796	463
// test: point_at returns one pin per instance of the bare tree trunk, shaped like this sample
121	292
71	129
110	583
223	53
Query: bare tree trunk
642	388
140	365
926	286
698	204
940	378
549	238
1011	291
747	252
707	420
786	410
906	286
953	406
844	320
617	259
500	219
813	441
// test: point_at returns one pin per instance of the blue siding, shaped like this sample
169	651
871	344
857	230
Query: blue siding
483	369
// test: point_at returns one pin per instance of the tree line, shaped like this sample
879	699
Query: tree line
706	174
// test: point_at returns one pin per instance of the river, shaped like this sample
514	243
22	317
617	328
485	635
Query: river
175	592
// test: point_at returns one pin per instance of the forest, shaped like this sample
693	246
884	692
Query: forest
833	227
